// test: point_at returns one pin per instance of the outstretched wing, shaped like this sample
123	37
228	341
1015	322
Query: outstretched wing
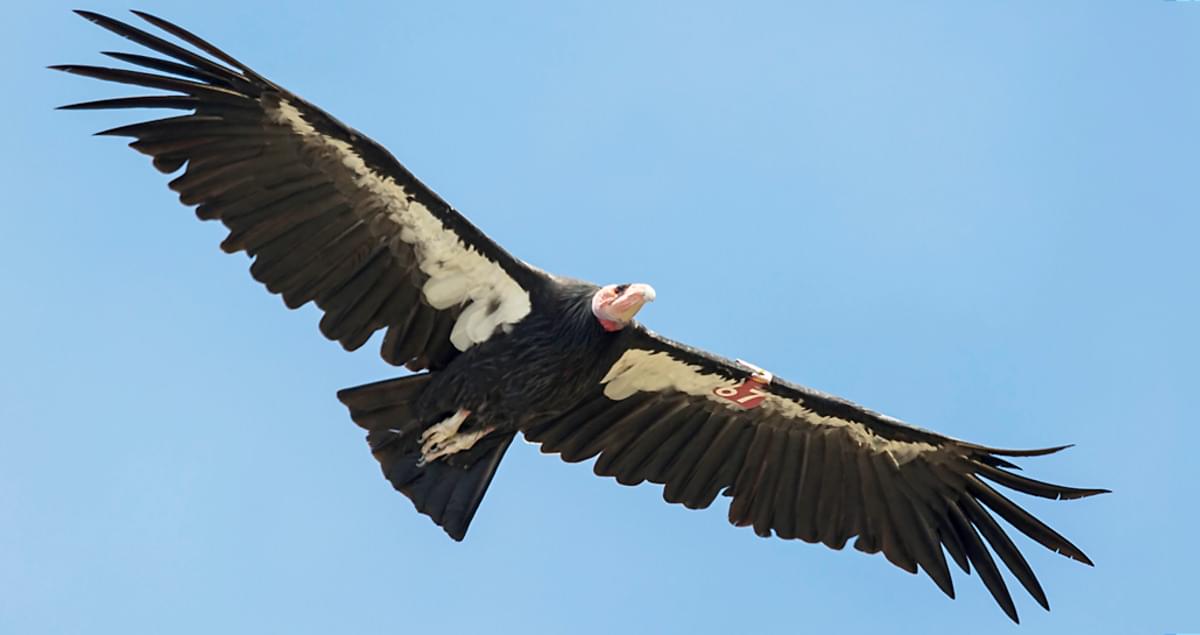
328	215
803	464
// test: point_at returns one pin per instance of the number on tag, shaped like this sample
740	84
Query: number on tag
745	395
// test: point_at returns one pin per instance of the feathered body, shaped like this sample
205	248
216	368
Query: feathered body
545	365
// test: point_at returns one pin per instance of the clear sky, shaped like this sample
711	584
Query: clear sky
979	217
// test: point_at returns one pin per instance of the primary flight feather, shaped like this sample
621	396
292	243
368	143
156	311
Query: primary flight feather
330	217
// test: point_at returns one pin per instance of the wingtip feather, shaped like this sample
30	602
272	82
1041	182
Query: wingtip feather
1029	452
1079	556
198	42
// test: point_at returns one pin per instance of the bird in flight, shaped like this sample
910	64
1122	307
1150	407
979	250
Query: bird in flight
498	346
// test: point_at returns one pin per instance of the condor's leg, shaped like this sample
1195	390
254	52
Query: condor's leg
443	438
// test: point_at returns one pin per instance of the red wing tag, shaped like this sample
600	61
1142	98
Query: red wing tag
748	394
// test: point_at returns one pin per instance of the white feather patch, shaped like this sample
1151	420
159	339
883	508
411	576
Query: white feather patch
458	273
654	371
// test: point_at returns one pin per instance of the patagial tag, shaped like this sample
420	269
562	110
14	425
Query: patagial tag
748	394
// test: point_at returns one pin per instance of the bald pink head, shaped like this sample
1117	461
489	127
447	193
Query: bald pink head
615	305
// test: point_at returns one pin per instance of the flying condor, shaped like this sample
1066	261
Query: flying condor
498	346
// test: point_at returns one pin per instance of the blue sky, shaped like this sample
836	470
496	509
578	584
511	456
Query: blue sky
979	217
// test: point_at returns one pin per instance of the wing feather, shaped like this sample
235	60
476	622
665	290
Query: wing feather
802	464
704	426
326	214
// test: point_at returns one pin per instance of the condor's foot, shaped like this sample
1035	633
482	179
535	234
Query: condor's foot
443	439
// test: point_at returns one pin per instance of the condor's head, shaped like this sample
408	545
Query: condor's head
615	305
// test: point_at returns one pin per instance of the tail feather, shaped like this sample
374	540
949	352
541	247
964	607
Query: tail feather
448	490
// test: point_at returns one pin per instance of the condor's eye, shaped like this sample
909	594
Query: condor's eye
621	288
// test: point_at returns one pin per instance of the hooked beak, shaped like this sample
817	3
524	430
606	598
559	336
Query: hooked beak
631	301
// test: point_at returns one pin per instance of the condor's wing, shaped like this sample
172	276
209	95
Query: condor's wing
803	464
328	215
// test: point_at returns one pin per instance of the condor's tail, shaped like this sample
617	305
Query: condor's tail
448	490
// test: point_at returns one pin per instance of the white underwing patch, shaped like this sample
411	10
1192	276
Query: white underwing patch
457	273
656	371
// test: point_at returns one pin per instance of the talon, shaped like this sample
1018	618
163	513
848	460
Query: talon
440	432
457	443
443	439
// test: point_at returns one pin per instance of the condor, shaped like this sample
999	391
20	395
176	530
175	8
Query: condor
499	347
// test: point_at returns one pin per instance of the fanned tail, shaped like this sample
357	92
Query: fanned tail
448	490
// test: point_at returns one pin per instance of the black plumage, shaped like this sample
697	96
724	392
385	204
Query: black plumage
330	217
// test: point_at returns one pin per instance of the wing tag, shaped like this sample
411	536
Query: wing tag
751	392
764	377
746	395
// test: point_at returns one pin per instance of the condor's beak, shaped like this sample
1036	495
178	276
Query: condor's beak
646	290
631	301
